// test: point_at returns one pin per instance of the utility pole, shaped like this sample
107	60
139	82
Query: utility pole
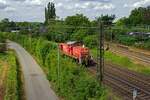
100	53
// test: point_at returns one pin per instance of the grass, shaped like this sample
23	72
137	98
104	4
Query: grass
124	62
1	64
69	78
11	81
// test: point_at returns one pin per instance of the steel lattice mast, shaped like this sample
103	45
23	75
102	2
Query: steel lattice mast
100	53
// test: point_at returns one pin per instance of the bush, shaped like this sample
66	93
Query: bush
80	34
147	45
90	41
69	81
127	40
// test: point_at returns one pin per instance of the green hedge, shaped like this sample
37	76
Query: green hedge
127	40
72	82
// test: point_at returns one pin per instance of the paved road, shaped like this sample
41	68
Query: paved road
37	87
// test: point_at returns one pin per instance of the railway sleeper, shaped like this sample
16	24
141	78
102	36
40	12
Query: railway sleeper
132	79
120	91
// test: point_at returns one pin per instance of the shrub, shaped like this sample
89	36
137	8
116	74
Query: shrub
90	41
127	40
70	80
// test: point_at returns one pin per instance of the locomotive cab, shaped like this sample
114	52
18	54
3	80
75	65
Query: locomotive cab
76	50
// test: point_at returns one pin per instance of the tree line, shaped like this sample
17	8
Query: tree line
138	16
80	28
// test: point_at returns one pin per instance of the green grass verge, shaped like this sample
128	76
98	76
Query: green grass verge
72	82
12	81
124	62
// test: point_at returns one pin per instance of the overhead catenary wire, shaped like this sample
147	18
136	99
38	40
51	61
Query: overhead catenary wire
100	45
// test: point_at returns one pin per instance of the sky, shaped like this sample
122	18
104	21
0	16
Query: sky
33	10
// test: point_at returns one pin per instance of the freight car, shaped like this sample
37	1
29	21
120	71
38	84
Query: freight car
77	51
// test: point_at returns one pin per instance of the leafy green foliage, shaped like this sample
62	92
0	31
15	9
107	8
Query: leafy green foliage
90	41
138	16
50	12
6	25
145	44
106	19
127	40
72	81
80	34
77	20
119	34
11	82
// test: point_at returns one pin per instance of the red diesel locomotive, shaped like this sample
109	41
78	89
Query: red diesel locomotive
77	51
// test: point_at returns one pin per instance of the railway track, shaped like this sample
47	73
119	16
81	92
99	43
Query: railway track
145	59
123	82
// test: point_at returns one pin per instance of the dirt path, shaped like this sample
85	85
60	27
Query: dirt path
3	79
37	86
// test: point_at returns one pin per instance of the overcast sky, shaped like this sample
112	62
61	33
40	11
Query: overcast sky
33	10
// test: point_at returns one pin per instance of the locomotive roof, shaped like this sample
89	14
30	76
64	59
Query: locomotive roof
72	42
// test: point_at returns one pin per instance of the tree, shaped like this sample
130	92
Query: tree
50	12
106	19
123	22
79	34
46	16
138	16
77	20
5	25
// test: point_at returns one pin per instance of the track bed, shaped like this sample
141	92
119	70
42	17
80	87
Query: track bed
123	82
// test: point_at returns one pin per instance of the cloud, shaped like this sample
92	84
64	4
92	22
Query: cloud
98	6
10	9
3	4
26	10
96	0
34	2
103	7
87	5
141	3
59	5
3	1
137	4
18	0
125	5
